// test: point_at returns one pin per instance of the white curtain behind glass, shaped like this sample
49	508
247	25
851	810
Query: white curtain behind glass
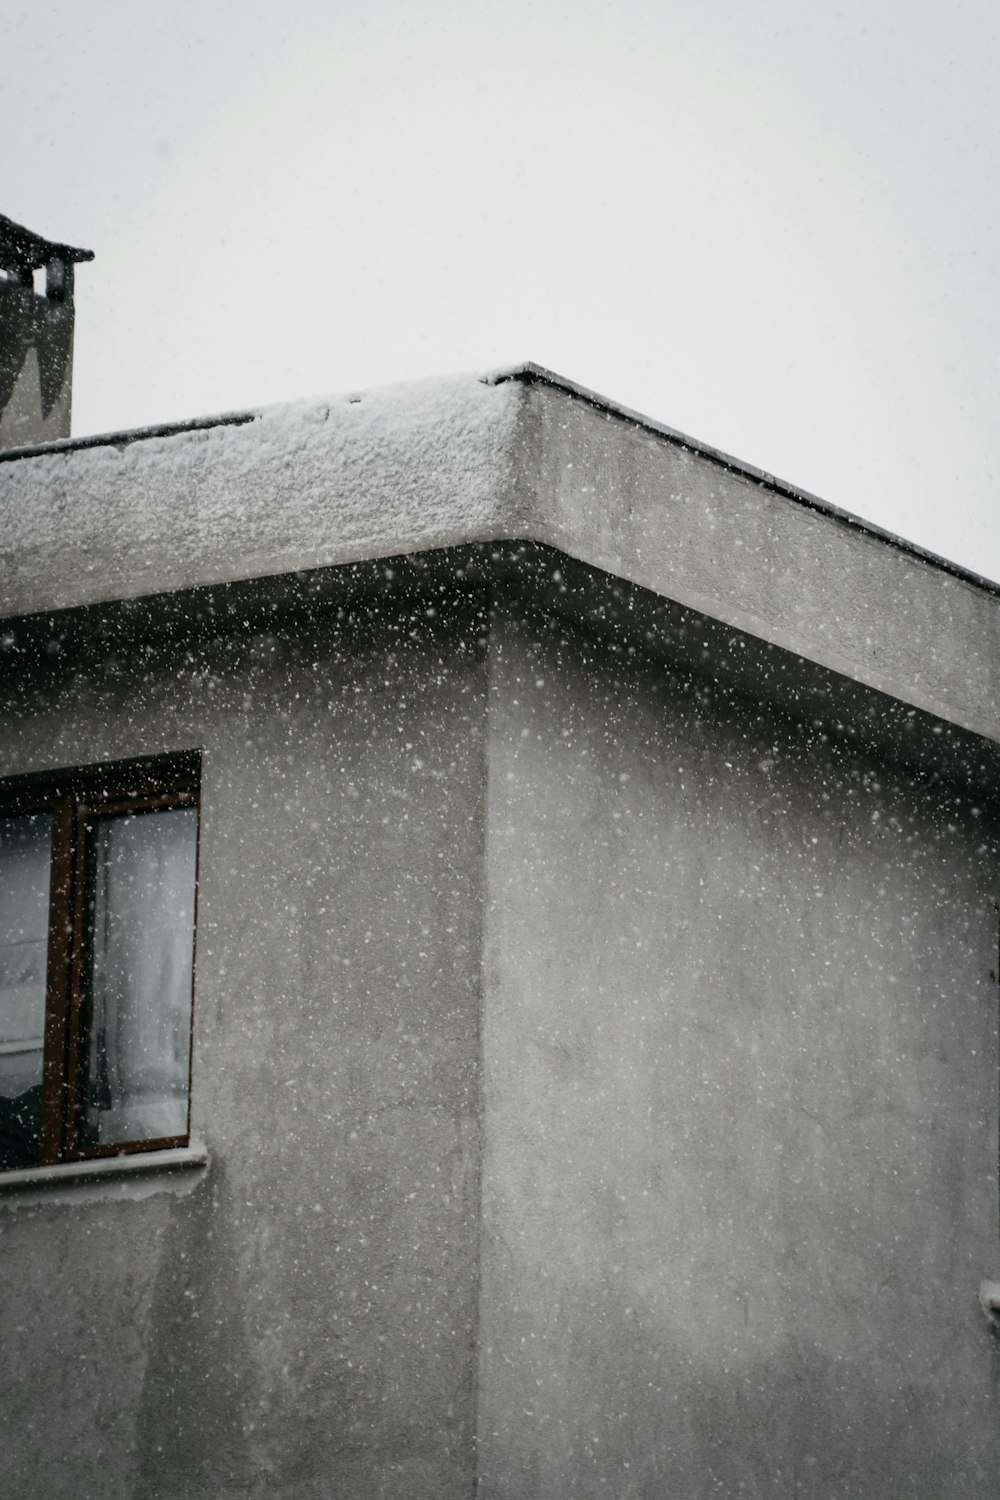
141	971
25	853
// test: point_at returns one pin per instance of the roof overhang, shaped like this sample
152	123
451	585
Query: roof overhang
519	454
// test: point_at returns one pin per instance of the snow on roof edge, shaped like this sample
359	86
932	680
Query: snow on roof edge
530	372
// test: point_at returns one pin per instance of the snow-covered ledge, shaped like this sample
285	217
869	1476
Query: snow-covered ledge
309	484
135	1175
517	455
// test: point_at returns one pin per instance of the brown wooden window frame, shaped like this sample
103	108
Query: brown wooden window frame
75	799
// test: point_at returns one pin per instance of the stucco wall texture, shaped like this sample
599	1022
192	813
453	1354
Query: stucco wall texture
299	1321
740	1118
598	1074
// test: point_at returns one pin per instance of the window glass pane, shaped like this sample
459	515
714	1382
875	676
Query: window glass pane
141	941
25	854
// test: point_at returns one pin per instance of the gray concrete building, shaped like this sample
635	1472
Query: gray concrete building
591	1082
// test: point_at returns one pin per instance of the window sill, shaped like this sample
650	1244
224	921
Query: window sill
134	1176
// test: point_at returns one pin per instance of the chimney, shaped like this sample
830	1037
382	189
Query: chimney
36	336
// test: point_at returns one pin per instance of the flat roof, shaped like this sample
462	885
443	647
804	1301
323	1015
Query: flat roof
514	454
529	371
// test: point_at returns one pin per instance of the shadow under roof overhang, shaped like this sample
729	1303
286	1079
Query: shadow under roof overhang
723	668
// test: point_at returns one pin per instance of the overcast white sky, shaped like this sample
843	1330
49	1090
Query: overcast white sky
772	225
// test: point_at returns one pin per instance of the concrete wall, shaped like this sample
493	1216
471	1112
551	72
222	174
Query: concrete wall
740	1084
300	1322
722	1048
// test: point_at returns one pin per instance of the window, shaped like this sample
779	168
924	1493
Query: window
98	873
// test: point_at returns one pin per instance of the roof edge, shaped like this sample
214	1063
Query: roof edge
533	374
129	435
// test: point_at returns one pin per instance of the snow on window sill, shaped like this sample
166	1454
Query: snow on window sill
134	1176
